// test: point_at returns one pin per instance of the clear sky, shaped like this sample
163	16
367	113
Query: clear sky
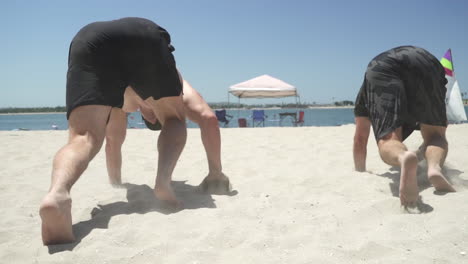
321	47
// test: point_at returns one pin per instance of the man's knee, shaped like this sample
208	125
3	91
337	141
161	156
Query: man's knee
436	140
89	141
433	134
113	144
174	132
175	124
115	138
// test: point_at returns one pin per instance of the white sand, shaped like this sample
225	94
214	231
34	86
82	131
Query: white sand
298	201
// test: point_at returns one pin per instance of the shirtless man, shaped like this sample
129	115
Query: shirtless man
197	110
128	64
403	90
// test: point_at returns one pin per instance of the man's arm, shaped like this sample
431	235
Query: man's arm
198	111
361	137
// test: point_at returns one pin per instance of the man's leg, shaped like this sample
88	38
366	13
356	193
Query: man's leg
394	152
115	135
171	142
435	154
86	133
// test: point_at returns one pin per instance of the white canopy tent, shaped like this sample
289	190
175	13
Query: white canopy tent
263	86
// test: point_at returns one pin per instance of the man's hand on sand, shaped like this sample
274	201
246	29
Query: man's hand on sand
216	184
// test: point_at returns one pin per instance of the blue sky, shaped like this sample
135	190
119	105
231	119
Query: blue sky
321	47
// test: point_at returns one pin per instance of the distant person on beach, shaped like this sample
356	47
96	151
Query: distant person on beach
197	110
403	90
128	64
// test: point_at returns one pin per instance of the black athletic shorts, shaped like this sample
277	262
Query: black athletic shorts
403	87
106	57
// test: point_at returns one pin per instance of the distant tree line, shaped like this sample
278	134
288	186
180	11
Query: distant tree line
13	110
344	103
225	105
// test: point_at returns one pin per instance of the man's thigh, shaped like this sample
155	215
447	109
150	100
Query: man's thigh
428	132
89	119
168	108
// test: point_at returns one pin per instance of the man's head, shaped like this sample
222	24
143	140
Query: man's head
157	126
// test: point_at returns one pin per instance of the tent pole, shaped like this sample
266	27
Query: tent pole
238	109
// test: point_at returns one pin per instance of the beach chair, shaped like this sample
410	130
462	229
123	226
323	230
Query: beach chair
258	117
300	121
222	117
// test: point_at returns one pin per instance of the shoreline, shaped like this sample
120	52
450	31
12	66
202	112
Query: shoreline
233	109
33	113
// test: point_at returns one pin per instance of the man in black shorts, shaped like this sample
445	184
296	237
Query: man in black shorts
128	64
403	90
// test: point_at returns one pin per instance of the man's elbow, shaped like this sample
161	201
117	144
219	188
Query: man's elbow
208	119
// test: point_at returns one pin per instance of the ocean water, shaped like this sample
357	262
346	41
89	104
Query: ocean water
312	117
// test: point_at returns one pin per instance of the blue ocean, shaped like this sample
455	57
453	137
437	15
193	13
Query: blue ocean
312	117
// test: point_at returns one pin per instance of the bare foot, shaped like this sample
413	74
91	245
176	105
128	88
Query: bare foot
216	184
165	194
409	191
55	212
438	180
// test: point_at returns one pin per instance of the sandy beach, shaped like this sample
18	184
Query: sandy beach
296	199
